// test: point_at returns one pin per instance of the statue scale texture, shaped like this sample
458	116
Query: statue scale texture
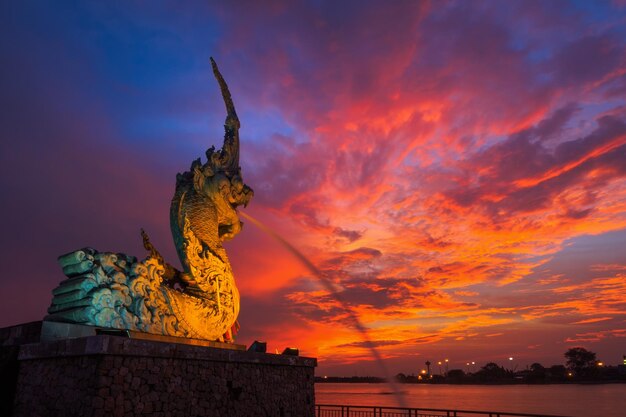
114	290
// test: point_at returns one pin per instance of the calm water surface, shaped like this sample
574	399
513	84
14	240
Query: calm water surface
567	400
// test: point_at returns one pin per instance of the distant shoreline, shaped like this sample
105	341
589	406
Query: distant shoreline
376	380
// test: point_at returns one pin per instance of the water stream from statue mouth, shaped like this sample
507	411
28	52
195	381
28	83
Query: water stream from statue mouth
336	293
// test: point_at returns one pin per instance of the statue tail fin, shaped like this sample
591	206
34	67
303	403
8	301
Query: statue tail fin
94	292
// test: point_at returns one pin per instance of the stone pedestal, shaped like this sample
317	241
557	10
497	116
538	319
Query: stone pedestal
106	375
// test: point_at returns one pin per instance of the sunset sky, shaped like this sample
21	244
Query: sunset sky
457	169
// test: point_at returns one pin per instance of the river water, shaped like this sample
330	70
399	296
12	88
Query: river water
608	400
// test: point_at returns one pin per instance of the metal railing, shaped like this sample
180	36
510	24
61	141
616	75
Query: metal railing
327	410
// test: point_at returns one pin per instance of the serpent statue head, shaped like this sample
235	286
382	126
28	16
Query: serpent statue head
209	194
219	181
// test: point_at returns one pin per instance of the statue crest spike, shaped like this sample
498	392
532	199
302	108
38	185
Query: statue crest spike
229	155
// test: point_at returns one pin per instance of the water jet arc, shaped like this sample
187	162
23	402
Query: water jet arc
335	292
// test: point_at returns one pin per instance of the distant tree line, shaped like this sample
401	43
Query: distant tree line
581	366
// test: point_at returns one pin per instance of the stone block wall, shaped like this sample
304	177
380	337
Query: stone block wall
8	378
121	377
10	339
21	334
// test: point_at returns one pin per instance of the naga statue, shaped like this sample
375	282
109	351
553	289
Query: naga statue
201	301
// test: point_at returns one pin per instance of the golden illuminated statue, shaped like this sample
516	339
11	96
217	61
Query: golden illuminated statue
114	290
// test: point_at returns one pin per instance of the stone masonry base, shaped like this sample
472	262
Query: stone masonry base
117	376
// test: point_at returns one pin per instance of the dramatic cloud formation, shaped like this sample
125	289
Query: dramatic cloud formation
457	169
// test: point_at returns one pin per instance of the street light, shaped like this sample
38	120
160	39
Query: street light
511	362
